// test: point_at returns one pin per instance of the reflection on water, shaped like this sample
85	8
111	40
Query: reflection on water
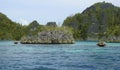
79	56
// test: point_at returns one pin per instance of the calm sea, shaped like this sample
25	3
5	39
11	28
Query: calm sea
78	56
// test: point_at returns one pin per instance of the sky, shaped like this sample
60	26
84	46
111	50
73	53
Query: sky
25	11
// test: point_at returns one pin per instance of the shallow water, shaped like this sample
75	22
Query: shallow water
78	56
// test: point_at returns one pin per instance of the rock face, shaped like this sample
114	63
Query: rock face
113	39
53	24
33	25
49	37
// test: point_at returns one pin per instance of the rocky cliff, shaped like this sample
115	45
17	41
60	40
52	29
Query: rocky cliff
97	21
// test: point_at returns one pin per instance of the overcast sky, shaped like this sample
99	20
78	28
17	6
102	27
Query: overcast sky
25	11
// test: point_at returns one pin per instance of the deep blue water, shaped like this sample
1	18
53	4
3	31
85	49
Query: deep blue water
79	56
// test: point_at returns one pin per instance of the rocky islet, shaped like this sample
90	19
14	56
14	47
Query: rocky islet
49	37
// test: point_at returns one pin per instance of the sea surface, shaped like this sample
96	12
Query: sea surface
79	56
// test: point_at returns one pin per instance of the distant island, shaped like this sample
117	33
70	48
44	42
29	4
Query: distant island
100	21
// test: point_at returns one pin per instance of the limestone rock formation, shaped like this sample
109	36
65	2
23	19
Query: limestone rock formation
49	37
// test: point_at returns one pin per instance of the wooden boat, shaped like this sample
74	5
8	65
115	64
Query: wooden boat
101	44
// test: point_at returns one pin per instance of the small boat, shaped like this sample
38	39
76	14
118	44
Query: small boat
15	42
101	44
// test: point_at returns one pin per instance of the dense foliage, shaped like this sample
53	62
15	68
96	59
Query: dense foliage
98	21
9	29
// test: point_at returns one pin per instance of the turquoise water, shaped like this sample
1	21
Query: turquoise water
78	56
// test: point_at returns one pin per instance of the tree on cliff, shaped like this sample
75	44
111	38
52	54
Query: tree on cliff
97	19
9	29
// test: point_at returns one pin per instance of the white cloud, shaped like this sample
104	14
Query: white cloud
23	21
45	10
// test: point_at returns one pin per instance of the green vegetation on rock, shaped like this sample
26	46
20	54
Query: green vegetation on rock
9	29
100	21
49	36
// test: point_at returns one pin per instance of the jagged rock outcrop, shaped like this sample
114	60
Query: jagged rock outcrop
33	25
53	24
49	37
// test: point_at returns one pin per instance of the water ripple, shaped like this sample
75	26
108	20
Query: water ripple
79	56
